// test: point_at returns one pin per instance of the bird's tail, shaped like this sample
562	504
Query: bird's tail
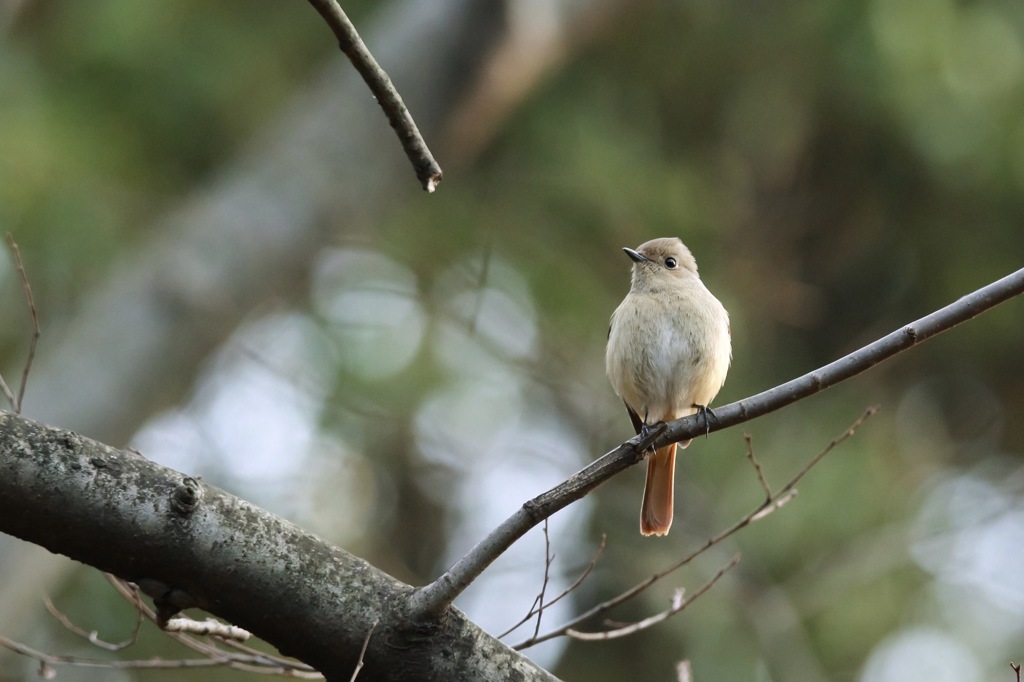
656	511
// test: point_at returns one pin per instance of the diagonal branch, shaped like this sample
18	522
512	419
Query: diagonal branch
438	595
771	503
427	169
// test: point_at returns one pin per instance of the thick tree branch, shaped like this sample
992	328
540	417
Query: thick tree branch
198	545
427	169
438	595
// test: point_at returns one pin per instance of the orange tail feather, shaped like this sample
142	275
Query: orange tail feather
656	511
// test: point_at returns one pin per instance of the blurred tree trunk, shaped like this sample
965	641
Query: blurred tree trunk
328	167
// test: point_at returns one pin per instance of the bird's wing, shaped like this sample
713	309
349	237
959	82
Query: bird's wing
638	423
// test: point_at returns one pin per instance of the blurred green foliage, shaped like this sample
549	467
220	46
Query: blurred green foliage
837	168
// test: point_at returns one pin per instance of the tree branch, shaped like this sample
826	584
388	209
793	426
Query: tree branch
438	595
94	636
190	543
772	502
539	604
427	169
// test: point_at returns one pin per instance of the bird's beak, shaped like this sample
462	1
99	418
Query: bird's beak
637	258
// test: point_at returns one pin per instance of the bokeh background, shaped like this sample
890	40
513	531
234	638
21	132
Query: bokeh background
237	274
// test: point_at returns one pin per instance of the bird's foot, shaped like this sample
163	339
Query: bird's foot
705	412
649	433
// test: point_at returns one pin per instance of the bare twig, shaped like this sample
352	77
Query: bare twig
1016	668
16	401
221	659
93	636
773	502
576	583
547	575
13	399
50	659
438	595
427	169
757	466
850	430
249	659
583	576
362	652
678	604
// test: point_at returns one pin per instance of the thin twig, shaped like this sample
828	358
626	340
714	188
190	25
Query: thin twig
250	659
547	575
757	466
362	652
93	636
564	593
8	393
774	502
51	659
438	595
583	576
848	433
17	401
1016	668
678	604
222	660
427	169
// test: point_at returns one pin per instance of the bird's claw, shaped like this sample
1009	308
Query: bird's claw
649	432
707	414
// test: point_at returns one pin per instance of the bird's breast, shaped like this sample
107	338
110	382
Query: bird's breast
668	351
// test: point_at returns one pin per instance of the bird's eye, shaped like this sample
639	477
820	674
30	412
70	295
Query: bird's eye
670	263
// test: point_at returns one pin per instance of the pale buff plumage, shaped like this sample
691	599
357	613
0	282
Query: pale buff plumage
668	352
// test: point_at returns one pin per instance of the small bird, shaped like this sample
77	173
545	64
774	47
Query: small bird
669	349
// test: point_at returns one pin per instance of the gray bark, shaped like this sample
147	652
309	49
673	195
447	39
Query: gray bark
126	515
327	166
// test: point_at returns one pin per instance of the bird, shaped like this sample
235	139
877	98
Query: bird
669	350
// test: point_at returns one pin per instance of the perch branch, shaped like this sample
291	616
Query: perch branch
438	595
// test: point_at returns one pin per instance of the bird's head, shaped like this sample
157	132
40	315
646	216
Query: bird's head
663	259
